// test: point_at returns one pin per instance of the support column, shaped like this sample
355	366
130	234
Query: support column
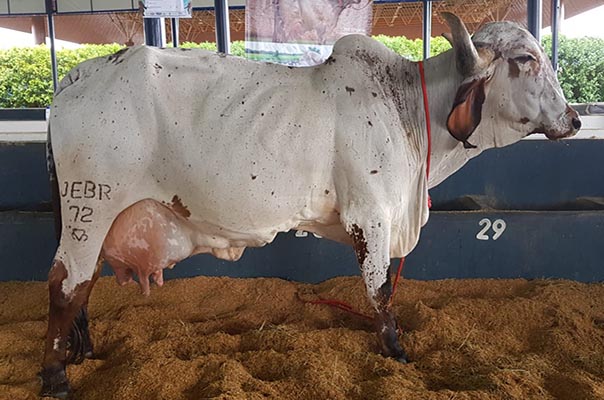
175	32
38	29
51	34
427	27
223	34
155	32
534	10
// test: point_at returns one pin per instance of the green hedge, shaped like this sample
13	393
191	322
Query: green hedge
581	68
25	73
25	76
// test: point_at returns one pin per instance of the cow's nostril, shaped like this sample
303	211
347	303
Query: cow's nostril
576	123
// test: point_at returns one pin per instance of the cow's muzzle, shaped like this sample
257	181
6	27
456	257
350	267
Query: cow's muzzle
571	121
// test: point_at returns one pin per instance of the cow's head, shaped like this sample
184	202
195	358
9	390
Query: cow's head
508	79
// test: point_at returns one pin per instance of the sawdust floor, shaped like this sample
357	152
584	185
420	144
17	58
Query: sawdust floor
224	338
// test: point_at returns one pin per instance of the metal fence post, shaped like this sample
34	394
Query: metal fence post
534	8
223	35
427	27
51	34
555	29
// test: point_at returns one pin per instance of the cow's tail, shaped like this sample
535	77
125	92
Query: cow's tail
55	197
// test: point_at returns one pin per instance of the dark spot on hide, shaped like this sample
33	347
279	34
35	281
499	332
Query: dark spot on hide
179	208
326	191
524	120
254	177
157	67
330	60
350	90
290	67
359	243
184	49
116	58
373	172
369	122
374	94
514	70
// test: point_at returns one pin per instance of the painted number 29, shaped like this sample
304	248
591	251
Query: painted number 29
498	227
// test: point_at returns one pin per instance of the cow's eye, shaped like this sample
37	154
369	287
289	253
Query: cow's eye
525	58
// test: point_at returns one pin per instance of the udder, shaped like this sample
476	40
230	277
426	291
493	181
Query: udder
149	236
144	239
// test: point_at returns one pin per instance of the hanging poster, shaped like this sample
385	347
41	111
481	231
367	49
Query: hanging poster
167	8
301	32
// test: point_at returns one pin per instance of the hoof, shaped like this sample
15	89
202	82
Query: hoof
54	383
402	359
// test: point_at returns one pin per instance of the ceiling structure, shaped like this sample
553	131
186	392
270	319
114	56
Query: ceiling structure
394	19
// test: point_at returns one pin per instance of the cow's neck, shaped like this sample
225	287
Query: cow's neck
448	154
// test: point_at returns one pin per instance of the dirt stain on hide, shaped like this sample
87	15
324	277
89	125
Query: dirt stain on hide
390	77
63	309
349	90
179	208
359	243
116	58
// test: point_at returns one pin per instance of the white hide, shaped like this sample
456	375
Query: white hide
253	149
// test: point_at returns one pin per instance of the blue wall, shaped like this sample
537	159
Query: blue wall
550	178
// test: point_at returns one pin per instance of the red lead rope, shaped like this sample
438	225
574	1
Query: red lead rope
345	306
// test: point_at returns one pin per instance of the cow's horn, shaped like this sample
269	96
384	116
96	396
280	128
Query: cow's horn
468	61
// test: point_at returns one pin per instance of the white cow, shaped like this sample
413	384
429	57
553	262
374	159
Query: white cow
165	153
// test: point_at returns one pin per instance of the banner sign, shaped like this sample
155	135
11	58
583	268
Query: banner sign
167	8
301	32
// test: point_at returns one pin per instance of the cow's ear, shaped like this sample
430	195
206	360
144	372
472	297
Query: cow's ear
466	112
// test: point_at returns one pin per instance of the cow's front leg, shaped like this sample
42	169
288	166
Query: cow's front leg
371	240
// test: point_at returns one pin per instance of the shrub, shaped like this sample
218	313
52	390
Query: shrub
26	77
413	49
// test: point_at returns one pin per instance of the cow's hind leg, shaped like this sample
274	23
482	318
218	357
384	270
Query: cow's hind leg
70	281
371	240
79	344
